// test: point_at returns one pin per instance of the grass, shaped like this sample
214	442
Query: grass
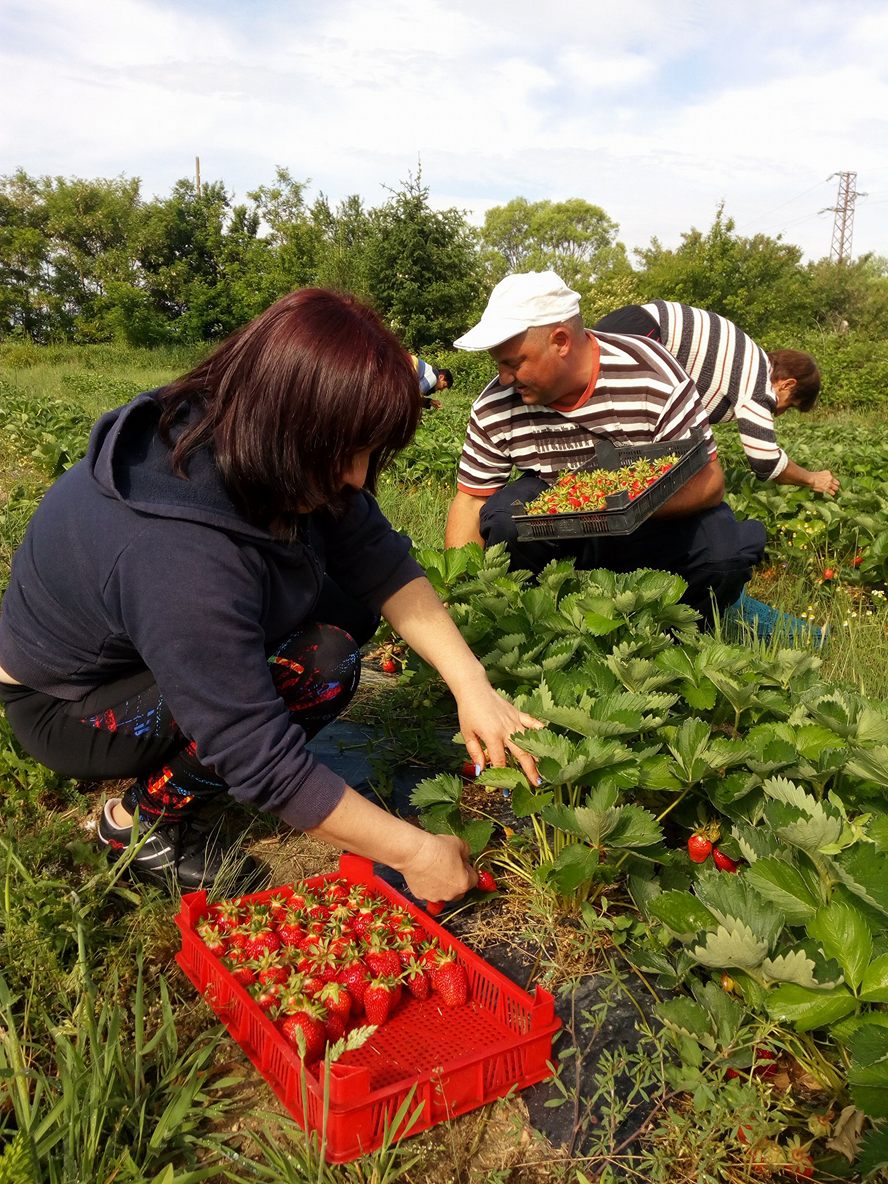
112	1070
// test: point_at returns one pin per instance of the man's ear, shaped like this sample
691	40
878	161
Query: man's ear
560	339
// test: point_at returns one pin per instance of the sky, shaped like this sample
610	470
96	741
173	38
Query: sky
655	111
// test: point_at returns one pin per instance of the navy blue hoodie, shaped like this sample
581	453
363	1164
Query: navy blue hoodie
125	565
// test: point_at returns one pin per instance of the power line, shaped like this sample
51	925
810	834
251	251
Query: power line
773	209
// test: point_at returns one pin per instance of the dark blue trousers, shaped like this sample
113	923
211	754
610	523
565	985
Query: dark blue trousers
711	551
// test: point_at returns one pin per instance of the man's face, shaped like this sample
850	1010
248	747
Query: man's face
532	364
441	383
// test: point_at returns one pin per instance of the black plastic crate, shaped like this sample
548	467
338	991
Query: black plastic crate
622	514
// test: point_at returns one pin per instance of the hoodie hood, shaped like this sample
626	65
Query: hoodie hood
129	461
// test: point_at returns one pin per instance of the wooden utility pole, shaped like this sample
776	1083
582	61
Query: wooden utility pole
197	176
843	224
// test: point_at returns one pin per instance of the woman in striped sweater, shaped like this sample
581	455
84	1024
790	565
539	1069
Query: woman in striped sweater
735	379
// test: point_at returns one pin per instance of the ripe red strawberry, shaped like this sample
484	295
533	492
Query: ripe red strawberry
269	968
307	1019
828	574
278	903
241	971
354	975
699	847
389	666
213	937
379	999
267	995
227	914
336	999
364	921
259	938
450	981
429	953
486	882
467	771
857	560
381	959
336	891
334	1027
416	980
723	862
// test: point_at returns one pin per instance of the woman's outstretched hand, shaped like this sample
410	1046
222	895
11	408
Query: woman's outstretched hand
488	722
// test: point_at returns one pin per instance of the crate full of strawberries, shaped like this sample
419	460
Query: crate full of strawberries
361	1011
624	488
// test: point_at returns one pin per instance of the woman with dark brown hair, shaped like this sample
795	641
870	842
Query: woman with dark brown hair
188	604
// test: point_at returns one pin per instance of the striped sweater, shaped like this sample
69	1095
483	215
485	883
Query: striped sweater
641	396
732	374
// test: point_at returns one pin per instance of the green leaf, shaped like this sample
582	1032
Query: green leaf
725	1012
845	936
732	899
575	866
634	827
794	966
444	789
878	832
477	834
783	885
731	945
864	871
687	1018
525	802
868	1085
870	764
806	1009
874	986
872	1153
681	912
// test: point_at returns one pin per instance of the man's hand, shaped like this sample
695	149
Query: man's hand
824	482
464	521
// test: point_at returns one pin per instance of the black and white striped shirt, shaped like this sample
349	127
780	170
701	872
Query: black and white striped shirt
733	376
641	396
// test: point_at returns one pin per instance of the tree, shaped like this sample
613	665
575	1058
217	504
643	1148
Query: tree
343	237
423	268
851	295
574	238
24	259
757	282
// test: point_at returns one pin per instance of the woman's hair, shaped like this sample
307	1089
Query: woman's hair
287	402
792	363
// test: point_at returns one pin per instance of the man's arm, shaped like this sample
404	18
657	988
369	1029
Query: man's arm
704	491
821	481
464	520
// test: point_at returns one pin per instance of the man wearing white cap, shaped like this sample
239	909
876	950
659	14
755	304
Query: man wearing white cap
559	388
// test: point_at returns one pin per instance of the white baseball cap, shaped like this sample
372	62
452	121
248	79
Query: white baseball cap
518	302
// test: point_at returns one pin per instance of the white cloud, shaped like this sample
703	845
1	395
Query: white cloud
654	113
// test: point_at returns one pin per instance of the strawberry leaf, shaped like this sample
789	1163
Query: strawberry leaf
681	912
784	886
734	944
687	1018
874	985
806	1009
844	935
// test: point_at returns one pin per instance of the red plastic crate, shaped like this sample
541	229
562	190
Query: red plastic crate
442	1061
